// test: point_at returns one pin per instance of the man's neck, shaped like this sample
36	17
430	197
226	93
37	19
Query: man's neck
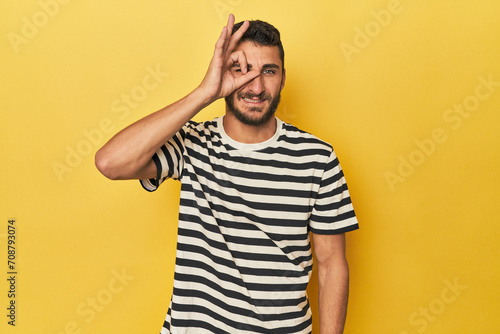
248	134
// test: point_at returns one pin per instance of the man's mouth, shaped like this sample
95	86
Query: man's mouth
255	100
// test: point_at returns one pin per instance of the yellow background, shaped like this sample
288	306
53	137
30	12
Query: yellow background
425	227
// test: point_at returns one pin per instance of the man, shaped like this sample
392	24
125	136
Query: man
253	187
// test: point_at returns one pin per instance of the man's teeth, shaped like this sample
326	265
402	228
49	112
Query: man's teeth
251	100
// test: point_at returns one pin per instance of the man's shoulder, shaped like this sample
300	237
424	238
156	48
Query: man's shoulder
207	124
293	134
202	129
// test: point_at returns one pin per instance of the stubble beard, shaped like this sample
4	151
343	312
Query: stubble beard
244	118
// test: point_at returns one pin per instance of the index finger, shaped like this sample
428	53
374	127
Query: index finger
235	38
230	25
229	30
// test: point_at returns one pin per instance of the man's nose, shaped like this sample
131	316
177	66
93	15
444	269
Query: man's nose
256	86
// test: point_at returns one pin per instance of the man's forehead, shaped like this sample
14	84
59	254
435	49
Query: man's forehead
260	54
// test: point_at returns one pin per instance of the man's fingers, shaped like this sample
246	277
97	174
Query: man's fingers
235	38
246	78
230	25
229	31
240	58
219	46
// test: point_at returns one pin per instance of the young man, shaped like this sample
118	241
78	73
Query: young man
253	187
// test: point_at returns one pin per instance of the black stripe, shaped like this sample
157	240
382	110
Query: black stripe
274	207
209	269
312	154
248	189
283	177
261	272
304	140
242	240
337	231
235	310
243	255
333	192
195	219
192	323
239	296
168	158
333	205
329	219
238	225
283	222
229	322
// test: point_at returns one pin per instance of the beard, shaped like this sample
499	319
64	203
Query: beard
245	118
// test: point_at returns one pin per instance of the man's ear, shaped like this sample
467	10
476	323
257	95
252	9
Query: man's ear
283	79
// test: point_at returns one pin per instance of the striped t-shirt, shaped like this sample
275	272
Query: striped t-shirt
243	250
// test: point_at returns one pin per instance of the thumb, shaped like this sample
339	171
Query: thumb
246	78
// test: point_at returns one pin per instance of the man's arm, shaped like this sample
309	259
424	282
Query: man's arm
128	155
333	279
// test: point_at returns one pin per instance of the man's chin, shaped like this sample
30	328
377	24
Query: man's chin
252	117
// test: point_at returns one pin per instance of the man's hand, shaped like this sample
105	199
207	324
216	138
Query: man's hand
219	81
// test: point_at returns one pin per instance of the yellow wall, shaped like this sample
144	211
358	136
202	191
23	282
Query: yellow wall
408	92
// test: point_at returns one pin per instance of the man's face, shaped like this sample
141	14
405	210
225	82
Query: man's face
255	103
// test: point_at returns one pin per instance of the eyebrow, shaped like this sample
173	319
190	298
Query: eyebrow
265	66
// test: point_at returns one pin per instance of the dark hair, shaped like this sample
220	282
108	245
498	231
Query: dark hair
262	33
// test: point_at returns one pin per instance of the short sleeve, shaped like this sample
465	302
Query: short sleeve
333	212
169	161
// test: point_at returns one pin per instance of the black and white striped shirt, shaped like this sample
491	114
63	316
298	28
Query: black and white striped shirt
243	251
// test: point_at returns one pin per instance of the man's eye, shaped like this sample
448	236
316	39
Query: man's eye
269	72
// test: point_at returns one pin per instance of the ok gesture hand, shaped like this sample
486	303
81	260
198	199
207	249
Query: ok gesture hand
219	81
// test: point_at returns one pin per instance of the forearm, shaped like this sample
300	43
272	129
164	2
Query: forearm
130	150
333	296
